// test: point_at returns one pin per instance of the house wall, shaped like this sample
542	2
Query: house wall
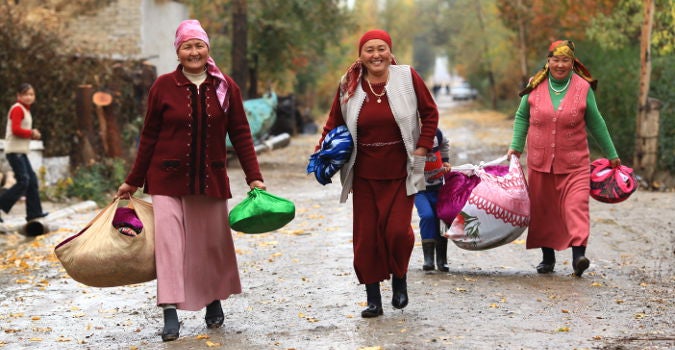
158	29
130	29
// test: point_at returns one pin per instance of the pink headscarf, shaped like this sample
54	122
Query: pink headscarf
192	29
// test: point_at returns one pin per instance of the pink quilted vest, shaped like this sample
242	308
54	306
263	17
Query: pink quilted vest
556	139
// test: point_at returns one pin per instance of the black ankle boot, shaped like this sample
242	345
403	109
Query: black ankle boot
442	254
428	250
171	325
399	286
548	263
579	261
374	308
214	315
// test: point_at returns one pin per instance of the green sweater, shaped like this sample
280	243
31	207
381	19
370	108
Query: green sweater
595	124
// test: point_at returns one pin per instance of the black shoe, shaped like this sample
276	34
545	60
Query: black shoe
545	267
428	250
580	265
214	315
399	299
171	325
442	254
373	310
41	215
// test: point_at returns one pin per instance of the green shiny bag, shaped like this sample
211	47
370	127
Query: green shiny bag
261	212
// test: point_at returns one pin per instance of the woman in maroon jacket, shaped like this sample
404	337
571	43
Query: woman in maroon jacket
181	163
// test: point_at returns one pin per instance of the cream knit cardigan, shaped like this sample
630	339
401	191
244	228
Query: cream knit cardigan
403	103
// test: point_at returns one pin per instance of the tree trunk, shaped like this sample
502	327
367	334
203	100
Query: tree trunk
522	38
647	123
239	46
82	151
253	77
487	59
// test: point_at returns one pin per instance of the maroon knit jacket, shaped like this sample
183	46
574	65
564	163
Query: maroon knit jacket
182	148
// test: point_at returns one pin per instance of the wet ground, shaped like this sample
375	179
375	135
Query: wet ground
300	291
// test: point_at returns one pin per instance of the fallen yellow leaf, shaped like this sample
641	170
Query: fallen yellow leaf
212	344
564	329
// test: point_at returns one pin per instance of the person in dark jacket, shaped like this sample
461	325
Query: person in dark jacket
182	164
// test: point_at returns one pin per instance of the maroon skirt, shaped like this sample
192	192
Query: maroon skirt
383	237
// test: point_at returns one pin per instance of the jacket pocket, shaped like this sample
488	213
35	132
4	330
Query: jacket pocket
170	165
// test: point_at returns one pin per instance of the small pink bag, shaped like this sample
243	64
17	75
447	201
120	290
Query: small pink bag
611	185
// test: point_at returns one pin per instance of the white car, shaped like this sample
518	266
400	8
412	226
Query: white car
463	92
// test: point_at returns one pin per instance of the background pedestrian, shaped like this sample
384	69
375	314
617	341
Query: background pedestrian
18	135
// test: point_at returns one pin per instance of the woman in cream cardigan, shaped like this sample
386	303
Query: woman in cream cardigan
392	118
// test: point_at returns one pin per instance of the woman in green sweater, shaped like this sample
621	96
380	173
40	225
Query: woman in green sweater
557	109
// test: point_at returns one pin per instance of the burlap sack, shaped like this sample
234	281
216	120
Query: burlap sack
101	256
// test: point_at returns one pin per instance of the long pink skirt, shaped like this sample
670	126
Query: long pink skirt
559	210
194	251
383	238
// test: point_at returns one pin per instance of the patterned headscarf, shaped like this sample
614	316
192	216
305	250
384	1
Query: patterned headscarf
192	29
354	73
560	48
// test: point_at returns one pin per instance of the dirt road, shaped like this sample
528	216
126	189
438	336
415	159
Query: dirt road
300	291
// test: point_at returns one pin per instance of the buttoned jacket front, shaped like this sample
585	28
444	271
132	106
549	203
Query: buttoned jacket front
557	139
183	148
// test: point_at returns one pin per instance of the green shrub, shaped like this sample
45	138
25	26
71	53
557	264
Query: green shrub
99	181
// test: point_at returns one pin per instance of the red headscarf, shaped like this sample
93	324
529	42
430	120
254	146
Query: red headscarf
354	73
192	29
560	48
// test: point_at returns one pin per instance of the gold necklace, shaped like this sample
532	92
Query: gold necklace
384	90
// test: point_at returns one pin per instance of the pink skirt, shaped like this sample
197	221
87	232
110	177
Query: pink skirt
194	251
559	209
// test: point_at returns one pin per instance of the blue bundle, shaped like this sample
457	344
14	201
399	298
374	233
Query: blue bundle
335	151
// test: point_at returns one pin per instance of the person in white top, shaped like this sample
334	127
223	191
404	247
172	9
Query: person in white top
17	145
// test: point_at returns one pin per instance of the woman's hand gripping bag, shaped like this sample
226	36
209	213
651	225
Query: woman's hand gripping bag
106	254
261	212
497	210
611	185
